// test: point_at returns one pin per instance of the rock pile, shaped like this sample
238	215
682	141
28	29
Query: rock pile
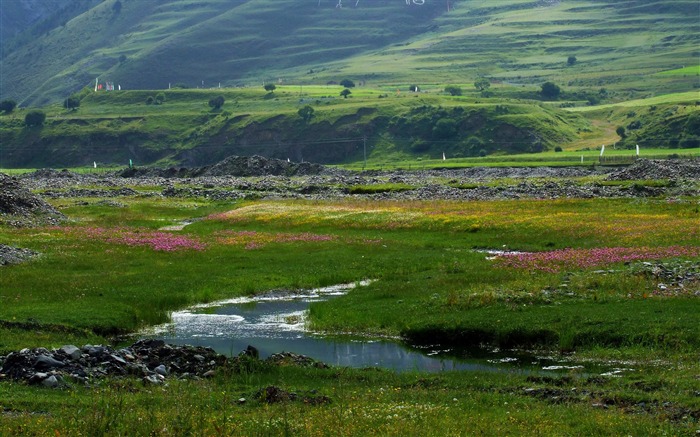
261	166
672	277
239	166
151	360
19	207
658	169
14	255
154	361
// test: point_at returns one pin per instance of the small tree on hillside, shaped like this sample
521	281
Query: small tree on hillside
8	106
550	90
345	93
71	103
34	118
453	90
159	98
347	83
445	128
270	87
306	113
571	60
482	84
217	102
621	132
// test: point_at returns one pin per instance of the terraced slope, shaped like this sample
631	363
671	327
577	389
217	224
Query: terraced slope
617	45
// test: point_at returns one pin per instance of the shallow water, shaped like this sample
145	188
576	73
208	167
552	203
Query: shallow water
276	323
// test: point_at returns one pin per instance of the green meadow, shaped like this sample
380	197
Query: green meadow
581	290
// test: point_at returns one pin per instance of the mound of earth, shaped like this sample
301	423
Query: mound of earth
238	166
19	207
14	255
658	169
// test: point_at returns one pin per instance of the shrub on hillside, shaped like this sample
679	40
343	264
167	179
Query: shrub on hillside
34	118
217	102
71	103
8	106
445	128
453	90
550	90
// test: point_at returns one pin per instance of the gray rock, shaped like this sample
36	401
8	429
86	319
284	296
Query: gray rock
151	379
73	352
117	359
45	362
161	370
38	378
51	382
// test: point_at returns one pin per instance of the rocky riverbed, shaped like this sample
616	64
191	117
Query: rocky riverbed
220	182
23	198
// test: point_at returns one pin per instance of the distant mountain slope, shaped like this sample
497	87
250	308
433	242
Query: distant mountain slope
144	44
16	16
24	20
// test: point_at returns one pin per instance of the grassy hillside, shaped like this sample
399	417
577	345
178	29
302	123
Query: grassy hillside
620	47
113	127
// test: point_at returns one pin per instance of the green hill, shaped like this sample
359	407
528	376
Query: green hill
617	45
117	126
618	68
114	127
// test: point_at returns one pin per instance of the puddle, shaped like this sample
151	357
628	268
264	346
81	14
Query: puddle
178	226
276	322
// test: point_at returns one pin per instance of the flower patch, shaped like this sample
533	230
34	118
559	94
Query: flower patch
565	259
156	240
256	240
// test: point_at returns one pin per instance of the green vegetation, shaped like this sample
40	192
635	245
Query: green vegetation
113	127
217	102
95	279
34	118
621	46
8	106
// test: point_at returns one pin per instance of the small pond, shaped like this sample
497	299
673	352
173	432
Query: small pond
275	322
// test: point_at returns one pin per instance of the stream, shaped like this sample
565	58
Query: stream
275	322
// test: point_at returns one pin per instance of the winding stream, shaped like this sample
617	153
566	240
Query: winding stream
275	322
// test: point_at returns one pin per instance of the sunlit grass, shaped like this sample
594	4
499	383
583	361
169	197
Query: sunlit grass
430	284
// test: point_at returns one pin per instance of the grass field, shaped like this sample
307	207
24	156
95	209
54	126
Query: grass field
582	289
